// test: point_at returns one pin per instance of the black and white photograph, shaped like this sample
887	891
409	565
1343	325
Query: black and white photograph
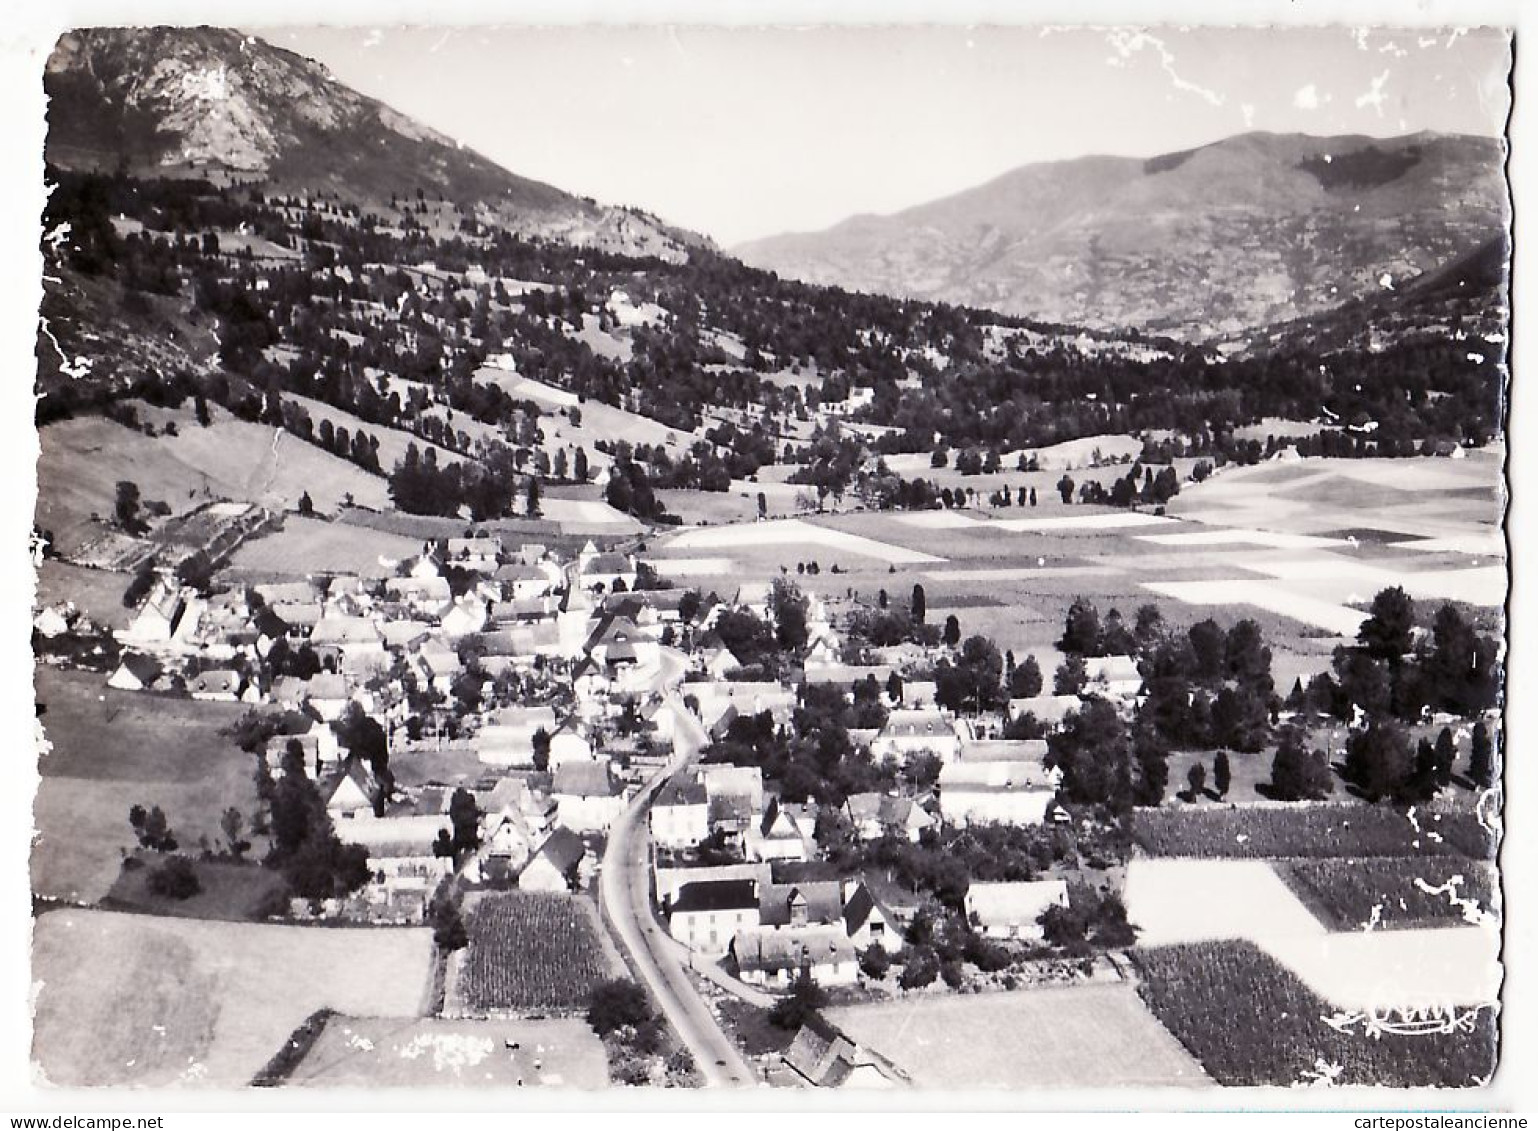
778	559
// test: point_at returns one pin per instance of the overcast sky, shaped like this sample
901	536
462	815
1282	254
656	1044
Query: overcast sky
741	133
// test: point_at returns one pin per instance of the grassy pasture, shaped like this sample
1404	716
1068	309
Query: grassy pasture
531	951
81	462
1308	830
1343	894
112	749
429	1052
230	891
1278	1035
309	545
393	442
97	593
150	1001
1060	1037
270	466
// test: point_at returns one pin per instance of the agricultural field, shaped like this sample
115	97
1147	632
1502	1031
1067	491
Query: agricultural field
531	951
230	891
1392	892
310	545
163	751
83	458
271	467
373	1052
95	592
156	1002
1315	830
1187	901
1280	1037
1061	1037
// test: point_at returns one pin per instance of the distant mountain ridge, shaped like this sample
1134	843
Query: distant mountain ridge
219	103
1201	244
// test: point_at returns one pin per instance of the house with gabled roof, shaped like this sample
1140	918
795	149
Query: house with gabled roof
867	920
137	672
1013	910
773	958
587	796
218	685
804	904
557	860
679	815
912	731
875	815
833	1061
784	832
1008	793
704	915
351	791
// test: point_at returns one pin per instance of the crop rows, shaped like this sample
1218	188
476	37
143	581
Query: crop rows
1345	894
1309	830
530	950
1251	1022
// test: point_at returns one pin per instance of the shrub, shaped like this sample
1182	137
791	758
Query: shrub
175	879
616	1004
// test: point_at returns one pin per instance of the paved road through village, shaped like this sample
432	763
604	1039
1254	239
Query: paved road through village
624	887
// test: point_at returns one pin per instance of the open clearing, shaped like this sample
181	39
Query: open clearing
135	999
112	749
1047	1038
1185	901
428	1052
310	546
97	593
273	468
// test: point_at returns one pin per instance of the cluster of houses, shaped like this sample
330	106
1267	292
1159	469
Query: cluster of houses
561	687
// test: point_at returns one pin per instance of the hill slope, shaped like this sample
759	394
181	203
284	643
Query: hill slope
223	105
1255	229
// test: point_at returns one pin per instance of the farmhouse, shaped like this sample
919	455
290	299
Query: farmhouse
477	555
909	732
1009	793
507	738
722	780
587	797
1048	709
784	833
351	791
1013	910
1116	677
218	685
867	920
875	815
678	816
137	672
814	903
556	863
704	915
775	958
833	1062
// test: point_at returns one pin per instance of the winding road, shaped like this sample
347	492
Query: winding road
624	889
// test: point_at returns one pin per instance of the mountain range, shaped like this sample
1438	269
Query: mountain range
1203	244
215	103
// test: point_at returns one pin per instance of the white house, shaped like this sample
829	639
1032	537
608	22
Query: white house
1115	677
1007	793
705	915
678	816
909	732
137	672
587	796
551	866
868	921
1013	910
775	958
507	738
218	685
